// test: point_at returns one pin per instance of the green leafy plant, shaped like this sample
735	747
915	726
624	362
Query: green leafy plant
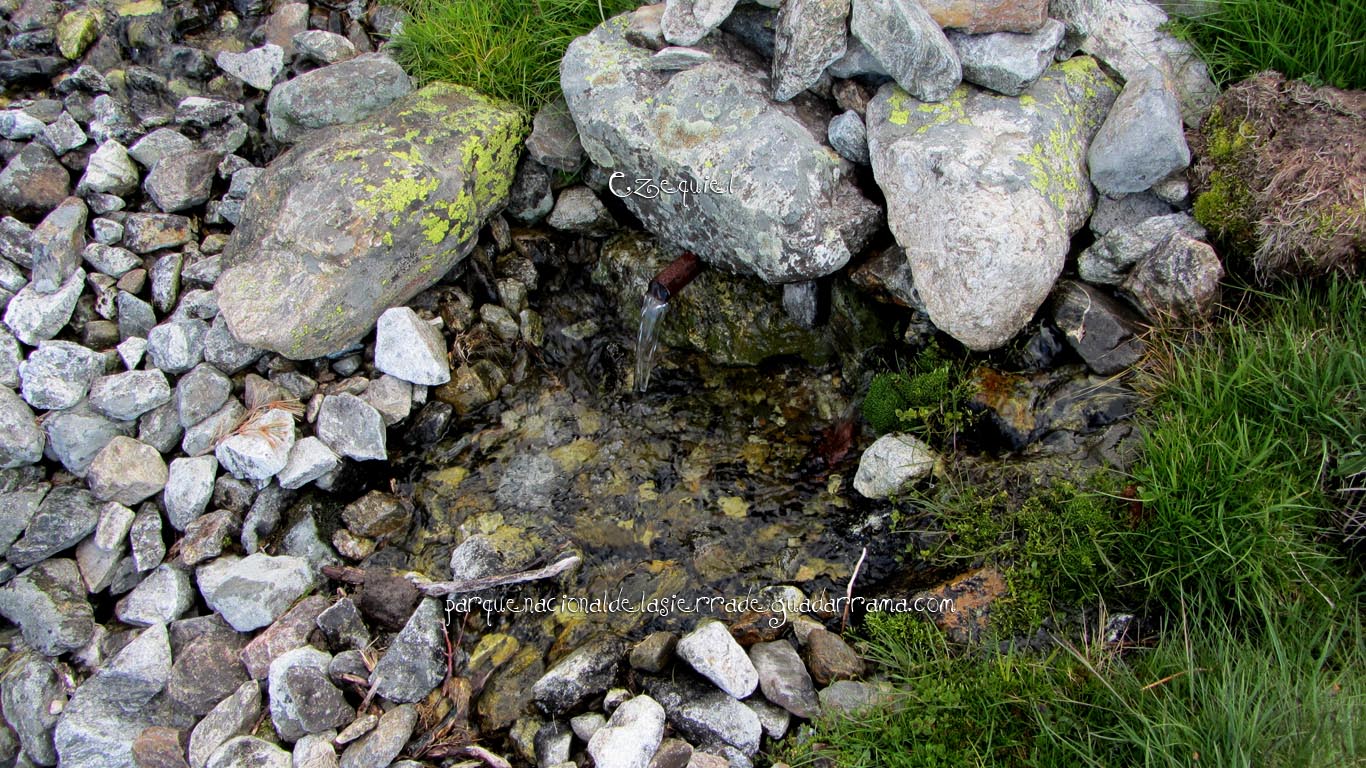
926	399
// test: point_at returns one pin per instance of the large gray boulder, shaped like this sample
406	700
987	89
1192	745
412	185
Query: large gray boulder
364	217
984	192
774	200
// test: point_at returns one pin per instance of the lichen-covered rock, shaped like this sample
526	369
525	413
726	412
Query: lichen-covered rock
766	196
364	217
984	192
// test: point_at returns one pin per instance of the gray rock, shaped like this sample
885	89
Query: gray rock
500	321
48	603
257	67
149	549
579	210
252	592
783	678
906	40
630	738
165	595
200	438
351	427
201	393
158	144
685	22
675	58
76	435
382	745
148	232
1142	140
207	535
282	286
341	624
392	397
586	671
112	120
126	471
165	279
33	182
773	719
288	20
264	516
63	134
849	137
315	751
60	238
309	460
1101	330
201	112
1112	256
1125	211
705	716
18	125
10	358
207	668
178	346
849	696
126	396
984	192
323	47
160	428
554	140
98	556
711	650
35	317
233	716
260	449
891	462
110	260
587	724
21	440
339	94
810	36
136	317
715	129
476	557
109	171
409	348
32	696
416	660
302	698
189	486
106	231
66	515
58	374
16	509
1179	279
225	352
181	181
248	752
530	198
857	61
1007	62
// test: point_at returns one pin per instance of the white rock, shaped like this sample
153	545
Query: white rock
715	655
891	462
630	738
309	460
410	349
189	488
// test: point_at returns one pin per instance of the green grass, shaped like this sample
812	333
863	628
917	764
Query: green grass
1254	654
505	48
1319	40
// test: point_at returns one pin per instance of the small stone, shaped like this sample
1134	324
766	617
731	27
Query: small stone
16	509
1142	140
809	36
60	238
288	20
848	697
352	428
165	279
106	231
233	716
160	143
21	440
178	346
98	556
707	716
579	210
587	724
249	752
289	632
476	557
33	696
392	397
257	67
711	650
165	595
200	438
126	471
383	744
76	32
201	393
10	359
65	516
584	672
35	317
783	678
323	47
654	652
631	737
341	624
109	171
18	125
410	349
189	487
226	353
48	603
260	448
149	549
160	428
774	720
849	137
378	515
309	460
1007	62
33	182
148	232
685	22
676	58
416	660
351	546
126	396
76	435
891	462
554	140
64	134
136	317
181	181
110	260
252	592
1109	260
1178	279
1101	330
207	535
829	658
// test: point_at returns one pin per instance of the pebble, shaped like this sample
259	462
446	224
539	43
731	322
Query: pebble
126	471
163	596
178	346
21	440
35	317
352	428
711	650
189	487
411	349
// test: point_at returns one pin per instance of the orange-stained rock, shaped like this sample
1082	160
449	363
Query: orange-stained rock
979	16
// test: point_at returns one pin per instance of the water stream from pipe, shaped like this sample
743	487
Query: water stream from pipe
652	311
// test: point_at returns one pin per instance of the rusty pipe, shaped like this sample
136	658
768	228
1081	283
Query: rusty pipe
675	277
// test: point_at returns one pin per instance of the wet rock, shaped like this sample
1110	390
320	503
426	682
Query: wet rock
33	182
182	180
36	317
388	599
257	67
233	716
971	598
351	427
715	655
382	745
126	471
983	174
1007	62
76	435
554	140
685	22
1026	409
126	396
302	698
430	424
630	738
206	670
848	696
178	346
409	348
1142	140
65	516
891	462
586	671
260	449
416	660
377	514
783	678
252	592
1100	329
706	716
148	232
48	603
706	124
323	47
248	752
1109	260
578	210
21	440
830	658
297	317
165	595
907	41
33	695
654	652
476	557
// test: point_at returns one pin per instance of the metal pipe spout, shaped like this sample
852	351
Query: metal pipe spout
675	277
